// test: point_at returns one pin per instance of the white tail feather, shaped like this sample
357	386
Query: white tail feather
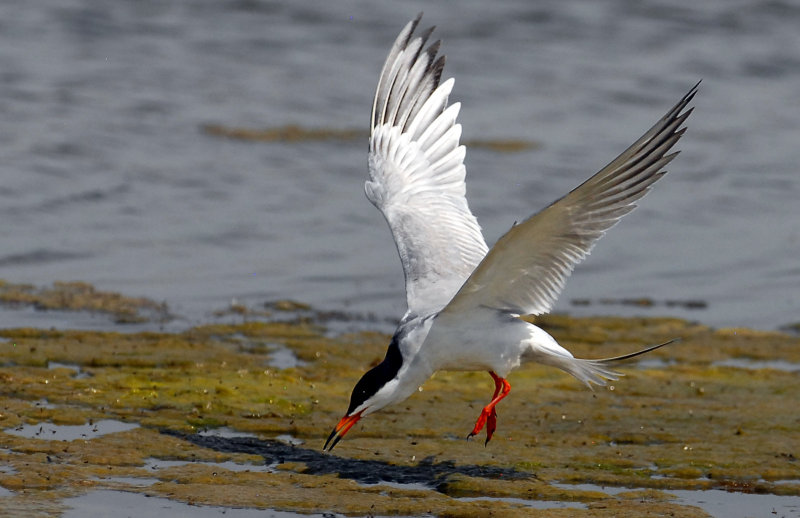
592	371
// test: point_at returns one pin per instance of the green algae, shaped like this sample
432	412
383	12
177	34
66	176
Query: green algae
687	424
294	133
81	296
288	133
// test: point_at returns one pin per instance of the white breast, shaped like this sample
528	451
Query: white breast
486	339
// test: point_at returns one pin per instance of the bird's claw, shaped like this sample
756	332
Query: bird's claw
491	426
488	415
487	418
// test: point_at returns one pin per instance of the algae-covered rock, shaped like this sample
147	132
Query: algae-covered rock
295	133
687	417
81	296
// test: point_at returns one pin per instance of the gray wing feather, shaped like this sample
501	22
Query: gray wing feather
526	269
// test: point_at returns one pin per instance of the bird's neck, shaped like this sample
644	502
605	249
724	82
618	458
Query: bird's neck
415	369
412	377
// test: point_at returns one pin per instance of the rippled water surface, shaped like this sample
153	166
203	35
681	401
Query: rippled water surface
106	175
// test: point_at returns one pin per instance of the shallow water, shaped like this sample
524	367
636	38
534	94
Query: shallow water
532	504
79	373
743	363
121	503
60	432
108	177
718	503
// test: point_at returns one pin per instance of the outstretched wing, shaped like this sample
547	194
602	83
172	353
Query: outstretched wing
526	269
416	170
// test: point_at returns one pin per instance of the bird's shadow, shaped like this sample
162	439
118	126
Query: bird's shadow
427	472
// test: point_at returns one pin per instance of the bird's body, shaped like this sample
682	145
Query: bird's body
465	300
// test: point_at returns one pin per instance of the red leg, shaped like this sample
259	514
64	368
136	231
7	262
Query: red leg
491	421
488	415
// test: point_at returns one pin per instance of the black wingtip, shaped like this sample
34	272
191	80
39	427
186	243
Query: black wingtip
690	94
639	353
416	21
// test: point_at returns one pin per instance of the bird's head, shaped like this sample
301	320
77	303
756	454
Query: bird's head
376	389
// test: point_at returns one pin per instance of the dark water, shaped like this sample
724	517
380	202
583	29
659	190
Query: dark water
107	177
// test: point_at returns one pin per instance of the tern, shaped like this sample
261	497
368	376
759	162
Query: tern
465	301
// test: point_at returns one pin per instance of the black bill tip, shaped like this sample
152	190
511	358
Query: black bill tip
344	425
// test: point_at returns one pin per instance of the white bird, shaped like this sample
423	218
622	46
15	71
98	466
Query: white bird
465	300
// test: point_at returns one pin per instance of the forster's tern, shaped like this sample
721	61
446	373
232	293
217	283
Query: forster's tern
464	300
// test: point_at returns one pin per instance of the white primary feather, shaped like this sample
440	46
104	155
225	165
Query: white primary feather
416	169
